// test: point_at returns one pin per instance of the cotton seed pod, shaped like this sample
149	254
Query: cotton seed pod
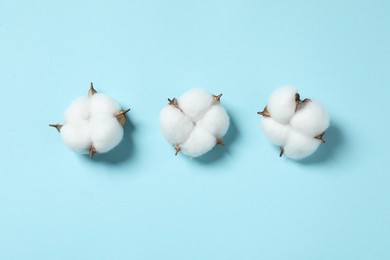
93	124
296	126
194	123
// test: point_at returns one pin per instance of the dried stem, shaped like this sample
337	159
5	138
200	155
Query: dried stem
320	137
217	98
281	152
121	116
91	91
264	113
177	149
92	152
299	102
57	126
220	142
175	103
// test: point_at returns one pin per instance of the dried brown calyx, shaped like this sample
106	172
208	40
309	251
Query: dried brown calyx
173	102
220	142
91	91
320	137
177	149
217	98
121	116
57	126
300	103
264	113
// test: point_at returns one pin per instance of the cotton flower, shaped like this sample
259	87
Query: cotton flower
194	123
93	124
296	126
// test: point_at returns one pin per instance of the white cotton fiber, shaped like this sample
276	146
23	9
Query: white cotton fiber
199	142
76	135
106	133
282	104
195	103
276	132
294	125
175	126
92	124
215	121
103	104
78	110
195	123
299	146
311	119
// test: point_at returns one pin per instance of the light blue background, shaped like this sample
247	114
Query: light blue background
239	202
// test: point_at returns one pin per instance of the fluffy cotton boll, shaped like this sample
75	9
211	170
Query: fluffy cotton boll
76	136
103	104
195	122
106	133
311	119
276	132
215	121
175	126
299	146
195	103
199	142
93	124
282	104
78	110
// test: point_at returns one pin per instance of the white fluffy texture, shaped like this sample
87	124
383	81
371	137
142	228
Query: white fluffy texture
78	110
281	104
106	132
276	132
311	118
91	121
199	142
299	146
195	103
103	104
215	121
196	125
77	136
175	126
297	134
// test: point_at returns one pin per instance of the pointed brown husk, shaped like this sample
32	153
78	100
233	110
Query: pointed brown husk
177	149
121	116
264	113
91	91
57	126
217	98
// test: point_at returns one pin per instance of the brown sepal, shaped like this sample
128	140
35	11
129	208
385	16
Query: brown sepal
177	149
92	152
217	98
121	116
264	113
57	126
320	137
91	91
220	142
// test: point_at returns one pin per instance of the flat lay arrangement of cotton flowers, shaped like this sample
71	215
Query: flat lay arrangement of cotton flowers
195	122
296	126
93	124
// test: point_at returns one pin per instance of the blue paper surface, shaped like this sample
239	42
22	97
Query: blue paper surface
238	202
